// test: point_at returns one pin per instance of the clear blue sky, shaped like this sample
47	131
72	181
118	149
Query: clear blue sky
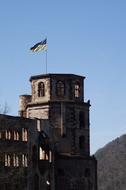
85	37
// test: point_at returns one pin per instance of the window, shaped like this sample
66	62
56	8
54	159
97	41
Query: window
60	88
43	155
87	172
16	135
77	90
15	160
7	135
50	156
24	160
24	134
41	89
81	142
38	124
81	119
7	160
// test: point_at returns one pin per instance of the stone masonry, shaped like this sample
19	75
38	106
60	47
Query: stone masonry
48	145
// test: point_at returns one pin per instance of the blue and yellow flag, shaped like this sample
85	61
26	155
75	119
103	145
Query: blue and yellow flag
39	46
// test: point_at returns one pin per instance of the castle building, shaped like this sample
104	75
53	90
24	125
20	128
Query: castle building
48	146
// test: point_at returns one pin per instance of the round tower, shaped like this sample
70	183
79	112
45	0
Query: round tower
23	101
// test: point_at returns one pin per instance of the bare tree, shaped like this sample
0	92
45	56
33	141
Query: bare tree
4	109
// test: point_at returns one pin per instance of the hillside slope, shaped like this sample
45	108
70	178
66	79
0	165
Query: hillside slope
112	165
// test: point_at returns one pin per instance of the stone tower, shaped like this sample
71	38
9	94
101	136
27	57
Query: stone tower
59	98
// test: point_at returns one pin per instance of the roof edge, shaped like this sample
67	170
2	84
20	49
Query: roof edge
50	75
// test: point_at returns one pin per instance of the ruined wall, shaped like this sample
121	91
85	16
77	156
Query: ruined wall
17	137
76	173
22	165
65	161
23	101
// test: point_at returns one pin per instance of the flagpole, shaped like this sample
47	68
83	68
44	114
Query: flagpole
46	60
41	46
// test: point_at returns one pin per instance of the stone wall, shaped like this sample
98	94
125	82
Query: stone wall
76	173
17	137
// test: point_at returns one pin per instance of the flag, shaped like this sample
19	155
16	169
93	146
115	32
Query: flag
39	46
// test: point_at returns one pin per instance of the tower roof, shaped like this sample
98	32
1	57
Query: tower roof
55	75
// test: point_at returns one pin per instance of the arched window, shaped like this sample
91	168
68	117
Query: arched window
81	119
77	90
41	89
60	88
82	142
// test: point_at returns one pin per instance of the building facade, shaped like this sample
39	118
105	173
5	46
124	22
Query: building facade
53	136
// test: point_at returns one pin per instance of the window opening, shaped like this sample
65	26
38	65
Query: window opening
15	160
38	124
87	172
81	119
42	154
50	156
7	160
24	134
24	160
41	89
60	88
77	90
16	135
7	135
82	142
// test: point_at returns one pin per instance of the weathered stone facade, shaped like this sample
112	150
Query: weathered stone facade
17	136
48	146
